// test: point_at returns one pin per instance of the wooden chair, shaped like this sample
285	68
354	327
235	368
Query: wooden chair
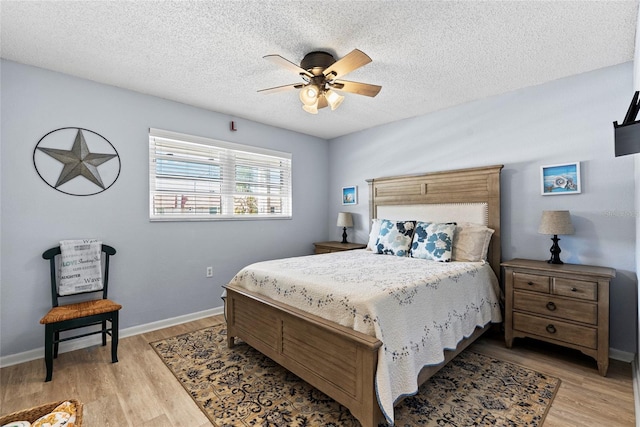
79	314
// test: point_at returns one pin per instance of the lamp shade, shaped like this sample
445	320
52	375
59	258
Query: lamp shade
333	98
556	222
345	219
311	109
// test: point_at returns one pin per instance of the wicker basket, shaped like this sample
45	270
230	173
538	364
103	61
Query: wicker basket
34	413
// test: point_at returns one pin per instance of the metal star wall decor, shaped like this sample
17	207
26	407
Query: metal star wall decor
77	162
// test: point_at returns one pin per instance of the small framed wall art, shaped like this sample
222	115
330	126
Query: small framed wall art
560	179
350	195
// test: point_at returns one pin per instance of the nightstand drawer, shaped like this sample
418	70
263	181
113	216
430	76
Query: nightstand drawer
556	330
531	282
575	288
562	308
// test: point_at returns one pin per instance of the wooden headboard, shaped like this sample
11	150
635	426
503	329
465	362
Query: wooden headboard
475	185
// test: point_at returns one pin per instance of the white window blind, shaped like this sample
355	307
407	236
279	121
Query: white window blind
196	178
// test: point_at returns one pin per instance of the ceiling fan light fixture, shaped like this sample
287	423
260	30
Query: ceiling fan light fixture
321	73
333	98
322	101
309	94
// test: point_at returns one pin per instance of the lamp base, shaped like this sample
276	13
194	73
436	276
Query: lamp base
344	235
555	251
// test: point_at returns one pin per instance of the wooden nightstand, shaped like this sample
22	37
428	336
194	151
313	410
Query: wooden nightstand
565	304
326	247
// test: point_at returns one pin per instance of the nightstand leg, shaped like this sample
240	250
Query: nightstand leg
508	332
508	341
602	368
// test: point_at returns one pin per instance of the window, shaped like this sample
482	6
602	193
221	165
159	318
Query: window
195	178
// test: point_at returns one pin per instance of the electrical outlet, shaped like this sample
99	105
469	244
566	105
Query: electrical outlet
209	271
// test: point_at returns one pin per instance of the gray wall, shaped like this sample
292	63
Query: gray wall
563	121
159	270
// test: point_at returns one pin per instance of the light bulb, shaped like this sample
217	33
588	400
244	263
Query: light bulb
309	94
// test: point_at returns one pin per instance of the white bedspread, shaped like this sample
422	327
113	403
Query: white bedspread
415	307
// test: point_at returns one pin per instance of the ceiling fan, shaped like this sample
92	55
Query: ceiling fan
320	72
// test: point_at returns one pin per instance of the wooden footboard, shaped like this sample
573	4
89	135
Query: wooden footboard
336	360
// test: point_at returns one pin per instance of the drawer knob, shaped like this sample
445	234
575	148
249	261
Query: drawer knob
551	306
574	289
551	329
530	283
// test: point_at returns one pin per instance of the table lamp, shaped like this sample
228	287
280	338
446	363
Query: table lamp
345	220
555	223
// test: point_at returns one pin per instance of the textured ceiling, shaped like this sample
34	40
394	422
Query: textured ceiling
427	55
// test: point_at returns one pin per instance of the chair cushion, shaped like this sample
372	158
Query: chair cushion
78	310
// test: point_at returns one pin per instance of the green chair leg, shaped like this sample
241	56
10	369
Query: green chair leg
114	338
48	351
104	333
56	341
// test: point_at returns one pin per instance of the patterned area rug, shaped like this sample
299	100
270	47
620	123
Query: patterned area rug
241	387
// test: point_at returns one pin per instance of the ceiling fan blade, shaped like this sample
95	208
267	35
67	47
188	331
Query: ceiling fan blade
365	89
353	60
285	63
281	88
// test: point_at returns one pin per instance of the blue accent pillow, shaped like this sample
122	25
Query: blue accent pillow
395	237
433	241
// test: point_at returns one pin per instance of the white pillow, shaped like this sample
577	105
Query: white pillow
373	234
471	242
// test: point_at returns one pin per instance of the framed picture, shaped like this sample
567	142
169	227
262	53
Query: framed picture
349	195
560	179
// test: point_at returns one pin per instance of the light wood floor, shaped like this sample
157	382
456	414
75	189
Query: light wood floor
140	391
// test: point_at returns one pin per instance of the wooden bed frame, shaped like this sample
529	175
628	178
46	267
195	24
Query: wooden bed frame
337	360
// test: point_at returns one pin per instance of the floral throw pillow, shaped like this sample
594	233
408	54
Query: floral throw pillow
395	237
433	241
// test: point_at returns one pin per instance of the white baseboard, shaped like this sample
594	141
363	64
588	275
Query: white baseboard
623	356
38	353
